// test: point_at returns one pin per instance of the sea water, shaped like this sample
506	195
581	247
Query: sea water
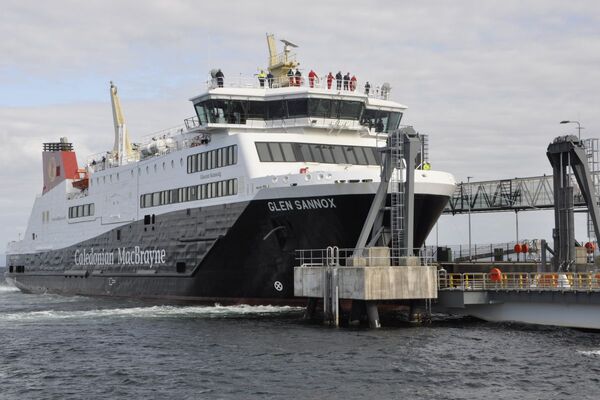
56	347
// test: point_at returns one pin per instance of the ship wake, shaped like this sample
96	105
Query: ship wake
216	311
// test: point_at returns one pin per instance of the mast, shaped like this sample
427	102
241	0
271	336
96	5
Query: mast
122	151
280	63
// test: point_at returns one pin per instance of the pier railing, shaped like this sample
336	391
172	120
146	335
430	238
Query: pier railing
517	281
361	257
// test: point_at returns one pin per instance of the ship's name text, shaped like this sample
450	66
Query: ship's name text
305	204
124	256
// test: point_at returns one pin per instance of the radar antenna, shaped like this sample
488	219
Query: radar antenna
280	63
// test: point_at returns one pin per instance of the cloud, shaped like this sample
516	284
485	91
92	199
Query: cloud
488	81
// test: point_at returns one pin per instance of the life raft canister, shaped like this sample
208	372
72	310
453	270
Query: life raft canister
517	248
495	275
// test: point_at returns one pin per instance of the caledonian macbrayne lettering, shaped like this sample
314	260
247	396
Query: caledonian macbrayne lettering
304	204
125	256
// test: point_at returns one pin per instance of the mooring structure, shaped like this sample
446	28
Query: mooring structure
383	266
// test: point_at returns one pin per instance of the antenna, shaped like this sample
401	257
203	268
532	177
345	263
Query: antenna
288	43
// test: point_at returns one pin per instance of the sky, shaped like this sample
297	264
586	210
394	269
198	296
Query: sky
487	81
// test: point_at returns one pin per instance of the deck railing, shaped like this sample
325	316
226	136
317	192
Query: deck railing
320	82
362	257
519	281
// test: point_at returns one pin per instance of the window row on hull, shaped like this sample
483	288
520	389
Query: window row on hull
212	159
315	152
204	191
218	111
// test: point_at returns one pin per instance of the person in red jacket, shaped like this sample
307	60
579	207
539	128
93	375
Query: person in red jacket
329	80
312	77
353	83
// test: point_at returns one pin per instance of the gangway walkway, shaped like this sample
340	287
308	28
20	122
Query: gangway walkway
518	194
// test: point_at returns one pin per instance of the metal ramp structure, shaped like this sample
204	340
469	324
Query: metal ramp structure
522	194
382	265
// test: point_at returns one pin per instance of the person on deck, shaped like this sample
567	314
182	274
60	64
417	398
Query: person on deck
346	80
338	80
270	79
329	80
298	77
367	88
220	78
261	78
312	77
290	75
353	83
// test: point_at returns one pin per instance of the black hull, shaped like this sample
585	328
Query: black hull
230	253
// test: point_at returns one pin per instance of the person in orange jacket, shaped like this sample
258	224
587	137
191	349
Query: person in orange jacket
329	80
312	77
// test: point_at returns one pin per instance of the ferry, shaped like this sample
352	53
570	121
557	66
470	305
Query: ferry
214	210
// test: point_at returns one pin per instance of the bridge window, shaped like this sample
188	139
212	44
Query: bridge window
381	121
219	111
297	108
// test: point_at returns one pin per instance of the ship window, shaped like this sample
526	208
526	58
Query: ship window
335	108
350	109
256	110
360	156
297	108
288	152
381	121
327	154
118	234
316	151
350	155
305	152
319	108
263	152
276	152
370	154
338	155
192	195
201	112
276	109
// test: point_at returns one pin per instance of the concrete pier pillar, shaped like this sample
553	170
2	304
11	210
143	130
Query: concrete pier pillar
311	308
373	315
